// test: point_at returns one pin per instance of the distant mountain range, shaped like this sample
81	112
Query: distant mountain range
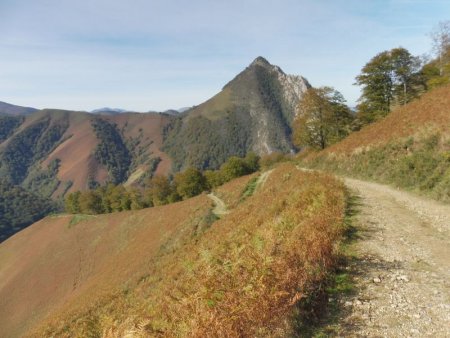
11	109
108	111
115	111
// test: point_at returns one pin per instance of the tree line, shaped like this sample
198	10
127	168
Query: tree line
159	189
390	79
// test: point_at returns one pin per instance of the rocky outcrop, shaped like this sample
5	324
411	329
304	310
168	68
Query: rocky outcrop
293	85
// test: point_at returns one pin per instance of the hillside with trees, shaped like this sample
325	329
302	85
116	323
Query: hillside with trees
405	122
159	189
409	148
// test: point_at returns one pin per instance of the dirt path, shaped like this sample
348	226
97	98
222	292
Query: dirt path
402	273
263	178
220	208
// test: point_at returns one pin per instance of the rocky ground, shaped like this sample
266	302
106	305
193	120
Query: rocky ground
401	273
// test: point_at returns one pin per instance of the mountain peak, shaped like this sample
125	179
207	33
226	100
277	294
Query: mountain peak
260	61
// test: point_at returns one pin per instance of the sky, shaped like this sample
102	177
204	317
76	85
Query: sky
146	55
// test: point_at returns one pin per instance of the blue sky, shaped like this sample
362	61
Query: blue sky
148	54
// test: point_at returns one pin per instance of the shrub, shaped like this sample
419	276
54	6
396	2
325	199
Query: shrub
234	167
190	183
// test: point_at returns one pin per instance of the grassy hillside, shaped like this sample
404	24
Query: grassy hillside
410	148
175	270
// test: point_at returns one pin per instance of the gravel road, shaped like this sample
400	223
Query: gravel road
402	273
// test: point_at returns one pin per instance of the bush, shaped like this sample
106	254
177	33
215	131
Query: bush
269	160
190	183
214	178
234	167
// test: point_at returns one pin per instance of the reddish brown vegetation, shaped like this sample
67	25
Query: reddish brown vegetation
243	275
426	115
64	262
231	193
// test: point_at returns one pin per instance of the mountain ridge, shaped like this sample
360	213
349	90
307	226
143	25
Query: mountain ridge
12	109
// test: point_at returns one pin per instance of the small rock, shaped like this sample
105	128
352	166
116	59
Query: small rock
377	280
358	302
348	303
403	278
330	300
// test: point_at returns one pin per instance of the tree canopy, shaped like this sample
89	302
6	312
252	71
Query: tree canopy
390	77
322	119
159	190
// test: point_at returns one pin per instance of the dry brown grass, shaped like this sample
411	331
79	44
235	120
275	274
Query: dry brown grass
231	193
241	277
69	262
410	148
427	115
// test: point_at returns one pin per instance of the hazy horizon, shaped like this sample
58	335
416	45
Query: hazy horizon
154	55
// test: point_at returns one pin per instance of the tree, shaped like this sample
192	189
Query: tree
437	71
91	202
322	118
117	198
441	45
136	201
389	77
377	92
190	183
214	178
252	162
407	77
158	190
72	203
234	167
